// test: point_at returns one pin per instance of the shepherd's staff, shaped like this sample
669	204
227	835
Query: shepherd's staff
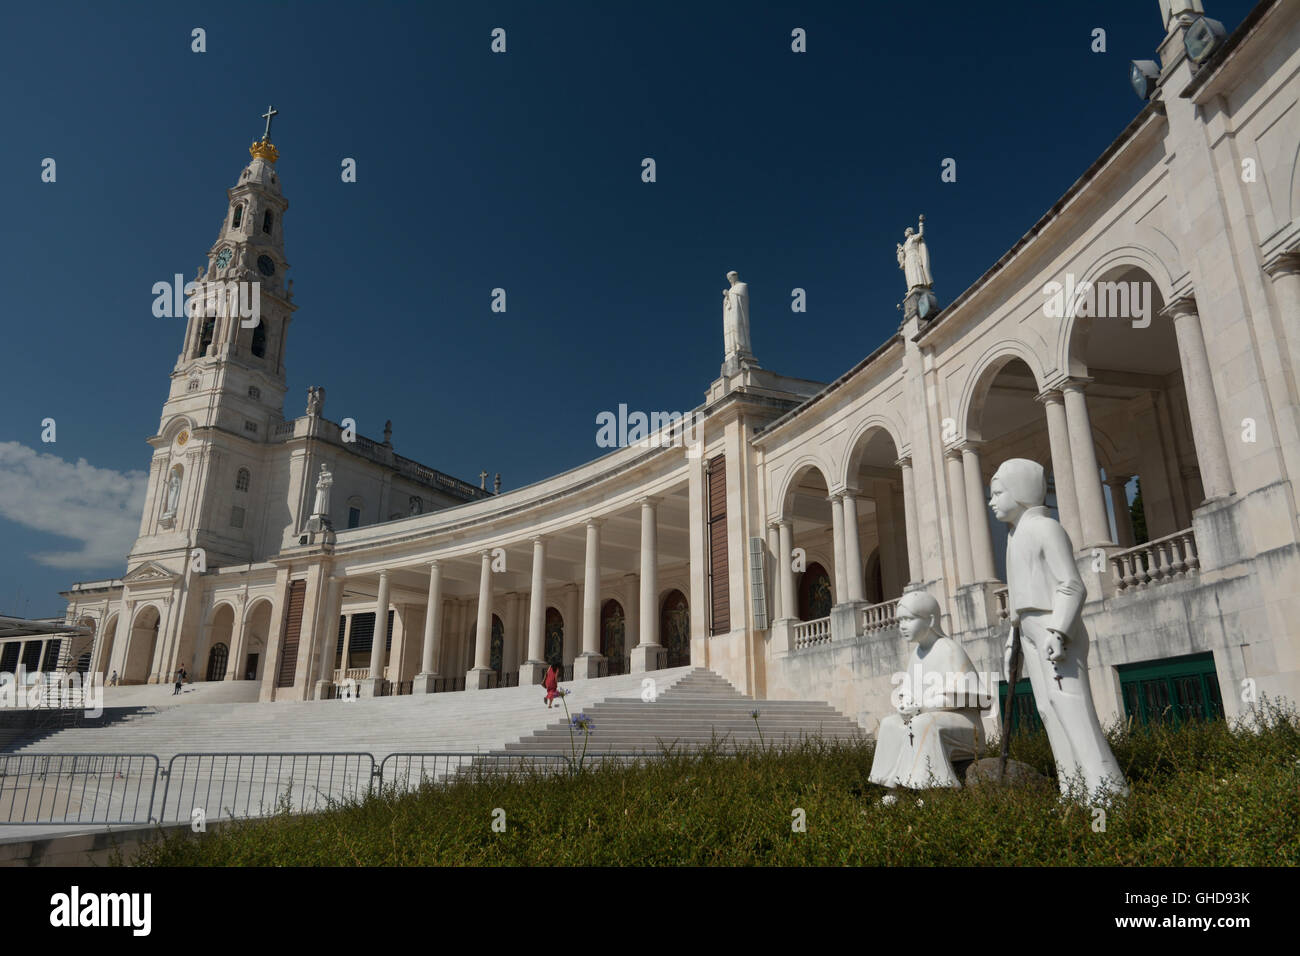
1013	675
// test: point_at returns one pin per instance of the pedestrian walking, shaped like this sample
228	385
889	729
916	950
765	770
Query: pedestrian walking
552	684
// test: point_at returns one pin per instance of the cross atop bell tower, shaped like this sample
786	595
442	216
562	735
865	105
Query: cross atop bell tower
270	112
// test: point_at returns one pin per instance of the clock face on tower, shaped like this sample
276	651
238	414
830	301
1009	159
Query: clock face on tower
266	265
223	258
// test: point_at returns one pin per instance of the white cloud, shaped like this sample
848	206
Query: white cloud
98	507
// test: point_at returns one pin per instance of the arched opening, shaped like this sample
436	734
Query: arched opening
1008	420
258	347
207	332
815	593
808	508
1137	408
875	520
612	631
675	629
874	583
554	636
217	661
220	630
267	220
256	630
237	217
242	478
141	645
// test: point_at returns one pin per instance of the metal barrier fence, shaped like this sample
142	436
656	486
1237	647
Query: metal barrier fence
77	788
123	788
226	785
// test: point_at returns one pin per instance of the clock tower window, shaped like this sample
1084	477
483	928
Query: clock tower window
238	217
205	336
259	339
267	219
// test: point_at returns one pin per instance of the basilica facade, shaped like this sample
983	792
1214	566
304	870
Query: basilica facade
1141	342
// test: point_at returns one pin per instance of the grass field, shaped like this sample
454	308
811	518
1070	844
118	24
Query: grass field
1206	794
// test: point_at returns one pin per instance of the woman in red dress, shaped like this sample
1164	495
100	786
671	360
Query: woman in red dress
552	684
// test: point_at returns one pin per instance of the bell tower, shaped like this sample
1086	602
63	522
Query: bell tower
245	271
227	390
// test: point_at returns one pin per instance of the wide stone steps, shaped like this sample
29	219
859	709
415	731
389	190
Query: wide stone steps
699	711
474	721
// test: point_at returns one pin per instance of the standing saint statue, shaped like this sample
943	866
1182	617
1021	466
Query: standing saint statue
173	493
735	317
323	483
1045	595
914	258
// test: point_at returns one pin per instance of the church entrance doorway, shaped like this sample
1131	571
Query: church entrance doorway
217	662
675	629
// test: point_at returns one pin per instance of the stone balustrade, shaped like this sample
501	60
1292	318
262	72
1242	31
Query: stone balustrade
352	673
1158	561
812	633
877	617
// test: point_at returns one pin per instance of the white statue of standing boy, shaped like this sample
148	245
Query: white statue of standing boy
916	745
1045	595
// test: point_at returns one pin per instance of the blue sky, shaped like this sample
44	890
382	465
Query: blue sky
519	170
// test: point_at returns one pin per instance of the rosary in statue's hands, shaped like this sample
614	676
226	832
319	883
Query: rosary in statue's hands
1054	649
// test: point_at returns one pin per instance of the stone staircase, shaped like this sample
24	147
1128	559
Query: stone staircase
478	721
694	712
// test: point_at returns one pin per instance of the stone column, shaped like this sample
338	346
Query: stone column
789	600
1119	504
588	662
1058	436
1087	473
1202	403
347	644
648	653
853	548
372	685
837	538
960	519
329	636
478	677
977	508
911	522
428	676
533	669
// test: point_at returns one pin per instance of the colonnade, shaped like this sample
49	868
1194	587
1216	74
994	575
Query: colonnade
1076	472
444	614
